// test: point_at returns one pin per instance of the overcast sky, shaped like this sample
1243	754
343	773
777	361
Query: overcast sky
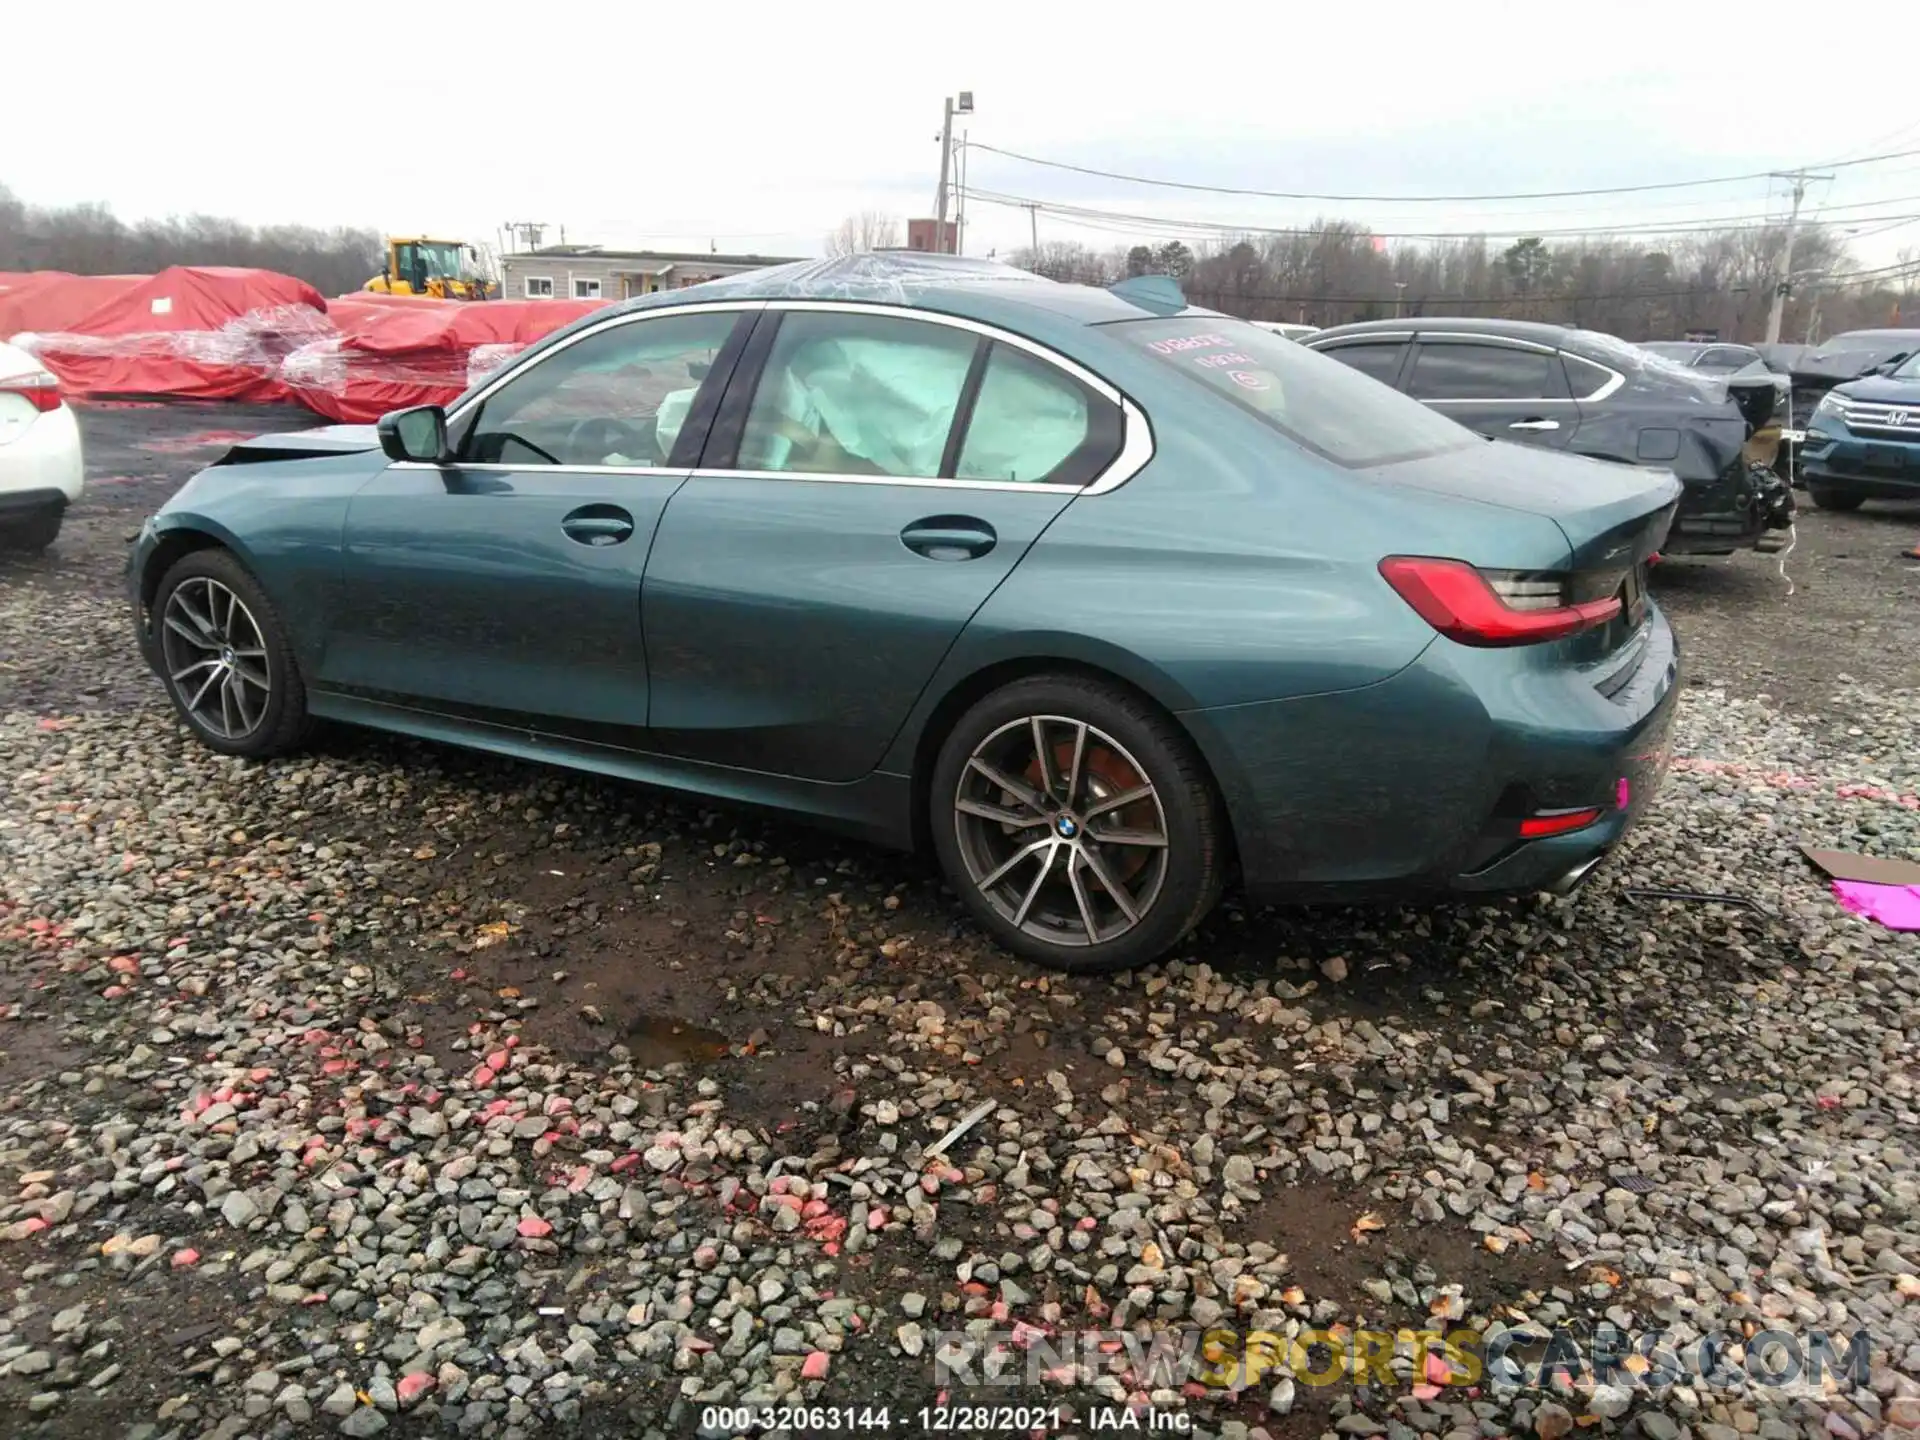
757	127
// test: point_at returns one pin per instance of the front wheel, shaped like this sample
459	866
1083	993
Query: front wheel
1828	498
1078	824
225	659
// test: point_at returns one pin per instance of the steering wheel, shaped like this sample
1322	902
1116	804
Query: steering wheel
601	435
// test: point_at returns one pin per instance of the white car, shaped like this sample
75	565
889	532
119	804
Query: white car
40	466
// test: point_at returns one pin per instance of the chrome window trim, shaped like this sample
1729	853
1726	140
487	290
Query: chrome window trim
1365	337
1614	382
1136	443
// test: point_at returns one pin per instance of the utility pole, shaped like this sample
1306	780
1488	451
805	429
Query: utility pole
1033	229
961	105
940	195
1783	273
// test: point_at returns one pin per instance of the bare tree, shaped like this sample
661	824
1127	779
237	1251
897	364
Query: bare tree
867	231
91	240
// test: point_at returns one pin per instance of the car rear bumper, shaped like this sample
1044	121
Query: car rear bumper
43	457
1417	786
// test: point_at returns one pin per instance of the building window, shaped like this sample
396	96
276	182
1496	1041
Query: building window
539	287
586	289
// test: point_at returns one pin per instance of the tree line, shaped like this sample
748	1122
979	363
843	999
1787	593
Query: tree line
1335	272
90	239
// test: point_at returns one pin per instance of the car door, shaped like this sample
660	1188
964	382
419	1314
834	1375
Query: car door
1505	389
874	474
505	586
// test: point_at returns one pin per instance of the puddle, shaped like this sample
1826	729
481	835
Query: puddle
657	1040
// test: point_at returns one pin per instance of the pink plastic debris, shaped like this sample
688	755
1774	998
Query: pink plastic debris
183	1258
815	1367
412	1387
533	1227
1895	906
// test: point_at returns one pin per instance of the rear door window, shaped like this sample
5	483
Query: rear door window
857	395
1033	422
1311	398
1453	370
1380	359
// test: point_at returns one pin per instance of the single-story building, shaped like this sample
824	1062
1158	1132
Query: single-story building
589	272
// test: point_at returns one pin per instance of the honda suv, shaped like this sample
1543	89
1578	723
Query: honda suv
1863	441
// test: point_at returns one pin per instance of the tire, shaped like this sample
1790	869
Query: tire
32	534
1041	848
1825	497
211	667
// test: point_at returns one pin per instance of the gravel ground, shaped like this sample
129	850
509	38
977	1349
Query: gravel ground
396	1090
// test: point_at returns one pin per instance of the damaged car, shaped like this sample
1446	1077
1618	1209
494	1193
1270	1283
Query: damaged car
1097	595
1587	393
1813	370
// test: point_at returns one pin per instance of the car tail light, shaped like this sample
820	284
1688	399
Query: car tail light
1493	607
1557	822
37	387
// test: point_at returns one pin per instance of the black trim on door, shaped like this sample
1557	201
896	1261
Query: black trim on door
722	445
963	412
692	439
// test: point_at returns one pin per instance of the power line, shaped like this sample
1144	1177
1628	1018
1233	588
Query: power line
1094	217
1412	199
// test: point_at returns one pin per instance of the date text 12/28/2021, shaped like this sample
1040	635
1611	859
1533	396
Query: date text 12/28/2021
936	1419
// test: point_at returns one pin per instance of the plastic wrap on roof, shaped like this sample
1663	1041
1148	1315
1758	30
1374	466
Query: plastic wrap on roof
895	275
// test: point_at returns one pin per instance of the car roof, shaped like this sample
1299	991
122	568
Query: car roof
1538	331
1876	337
954	284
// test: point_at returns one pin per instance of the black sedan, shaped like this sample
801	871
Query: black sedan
1591	394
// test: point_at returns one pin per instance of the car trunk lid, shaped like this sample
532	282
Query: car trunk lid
1613	517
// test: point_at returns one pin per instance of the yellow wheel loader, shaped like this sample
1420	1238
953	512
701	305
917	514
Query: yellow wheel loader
444	269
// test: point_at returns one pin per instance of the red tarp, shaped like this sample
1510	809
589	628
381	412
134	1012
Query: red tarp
392	351
48	300
190	333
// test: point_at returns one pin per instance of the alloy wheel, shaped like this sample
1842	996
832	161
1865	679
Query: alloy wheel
216	658
1061	830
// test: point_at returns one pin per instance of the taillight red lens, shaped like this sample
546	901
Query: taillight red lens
36	387
1458	601
1556	822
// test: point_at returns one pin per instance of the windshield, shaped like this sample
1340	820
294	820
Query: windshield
1909	369
442	259
1312	399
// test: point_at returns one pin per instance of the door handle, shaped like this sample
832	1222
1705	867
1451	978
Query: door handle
1534	425
949	537
598	525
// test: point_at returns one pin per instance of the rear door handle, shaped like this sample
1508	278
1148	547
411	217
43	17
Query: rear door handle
950	537
598	525
1534	425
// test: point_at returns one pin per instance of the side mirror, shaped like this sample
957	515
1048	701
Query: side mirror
418	434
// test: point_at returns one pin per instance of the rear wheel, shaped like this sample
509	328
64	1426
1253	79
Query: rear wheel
33	533
1077	823
1828	498
225	659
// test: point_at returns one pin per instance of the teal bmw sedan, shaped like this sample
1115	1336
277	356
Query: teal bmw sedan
1102	598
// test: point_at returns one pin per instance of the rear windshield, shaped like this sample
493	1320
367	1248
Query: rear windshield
1312	399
